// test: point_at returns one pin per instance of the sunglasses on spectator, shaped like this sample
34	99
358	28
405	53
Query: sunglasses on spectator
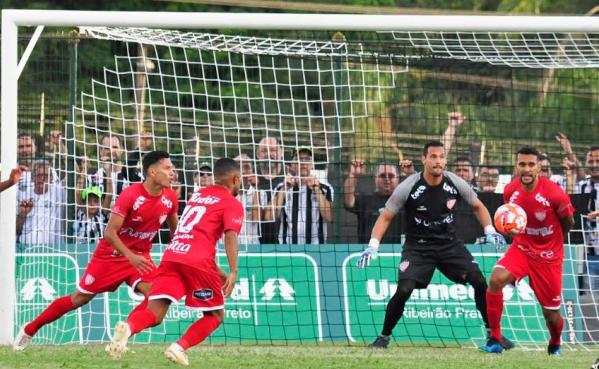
205	174
386	175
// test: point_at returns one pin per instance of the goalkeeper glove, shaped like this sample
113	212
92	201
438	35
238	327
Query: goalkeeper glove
371	252
494	238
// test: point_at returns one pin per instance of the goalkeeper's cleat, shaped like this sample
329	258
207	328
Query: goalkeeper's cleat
176	354
22	340
554	350
118	346
492	346
596	365
381	342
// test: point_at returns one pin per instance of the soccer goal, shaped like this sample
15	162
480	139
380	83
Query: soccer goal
204	86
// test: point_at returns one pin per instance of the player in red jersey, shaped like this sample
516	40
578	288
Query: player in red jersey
188	267
123	255
538	252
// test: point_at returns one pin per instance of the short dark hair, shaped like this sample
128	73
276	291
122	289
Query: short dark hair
528	150
435	143
593	148
543	156
224	166
152	158
462	159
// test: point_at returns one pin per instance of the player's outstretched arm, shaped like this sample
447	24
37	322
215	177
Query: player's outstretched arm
231	249
115	223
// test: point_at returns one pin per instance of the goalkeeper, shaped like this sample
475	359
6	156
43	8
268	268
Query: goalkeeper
429	199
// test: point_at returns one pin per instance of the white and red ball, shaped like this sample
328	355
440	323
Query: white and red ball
510	219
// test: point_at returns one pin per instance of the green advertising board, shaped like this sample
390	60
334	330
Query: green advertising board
444	311
41	278
276	298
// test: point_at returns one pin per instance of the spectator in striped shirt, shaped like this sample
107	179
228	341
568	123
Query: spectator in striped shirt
302	204
93	209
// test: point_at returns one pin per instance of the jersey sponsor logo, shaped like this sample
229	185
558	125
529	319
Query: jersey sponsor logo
433	223
421	208
162	218
540	215
204	294
136	234
452	190
138	202
418	192
546	254
137	219
404	265
238	220
543	231
89	279
168	203
178	247
451	203
542	199
514	197
208	200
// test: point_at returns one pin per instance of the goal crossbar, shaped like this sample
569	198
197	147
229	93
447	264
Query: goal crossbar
13	19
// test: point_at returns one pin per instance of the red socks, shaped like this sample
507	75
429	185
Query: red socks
141	320
198	331
142	306
55	310
494	311
556	332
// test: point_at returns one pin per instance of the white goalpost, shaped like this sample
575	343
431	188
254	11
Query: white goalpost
330	87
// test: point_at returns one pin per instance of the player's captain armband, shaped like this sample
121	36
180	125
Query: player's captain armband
374	244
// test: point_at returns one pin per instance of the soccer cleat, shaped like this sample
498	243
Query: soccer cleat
554	350
596	365
176	354
118	346
492	346
381	342
22	340
506	343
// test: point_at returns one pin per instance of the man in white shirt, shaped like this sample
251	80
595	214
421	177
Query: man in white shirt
40	209
252	199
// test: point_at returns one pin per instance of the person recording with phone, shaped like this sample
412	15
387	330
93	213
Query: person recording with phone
302	203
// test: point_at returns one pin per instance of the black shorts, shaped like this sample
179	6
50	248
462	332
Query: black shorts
453	260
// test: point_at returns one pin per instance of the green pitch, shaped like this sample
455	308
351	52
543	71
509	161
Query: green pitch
293	357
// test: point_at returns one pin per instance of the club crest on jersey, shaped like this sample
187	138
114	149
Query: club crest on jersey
89	279
451	203
514	196
540	215
138	202
404	265
203	294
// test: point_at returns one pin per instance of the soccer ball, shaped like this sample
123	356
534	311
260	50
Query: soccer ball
510	219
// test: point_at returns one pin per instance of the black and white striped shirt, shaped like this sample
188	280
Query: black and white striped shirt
300	221
89	230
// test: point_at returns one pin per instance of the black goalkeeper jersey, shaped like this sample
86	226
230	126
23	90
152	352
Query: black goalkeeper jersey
430	210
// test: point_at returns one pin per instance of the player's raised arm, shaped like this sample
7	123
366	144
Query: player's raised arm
231	249
115	223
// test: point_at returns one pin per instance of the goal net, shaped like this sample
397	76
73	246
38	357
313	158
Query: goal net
269	99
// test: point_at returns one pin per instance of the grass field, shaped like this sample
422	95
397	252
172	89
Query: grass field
293	357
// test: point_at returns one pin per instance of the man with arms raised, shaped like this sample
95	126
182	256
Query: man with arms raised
429	199
188	267
123	255
538	252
